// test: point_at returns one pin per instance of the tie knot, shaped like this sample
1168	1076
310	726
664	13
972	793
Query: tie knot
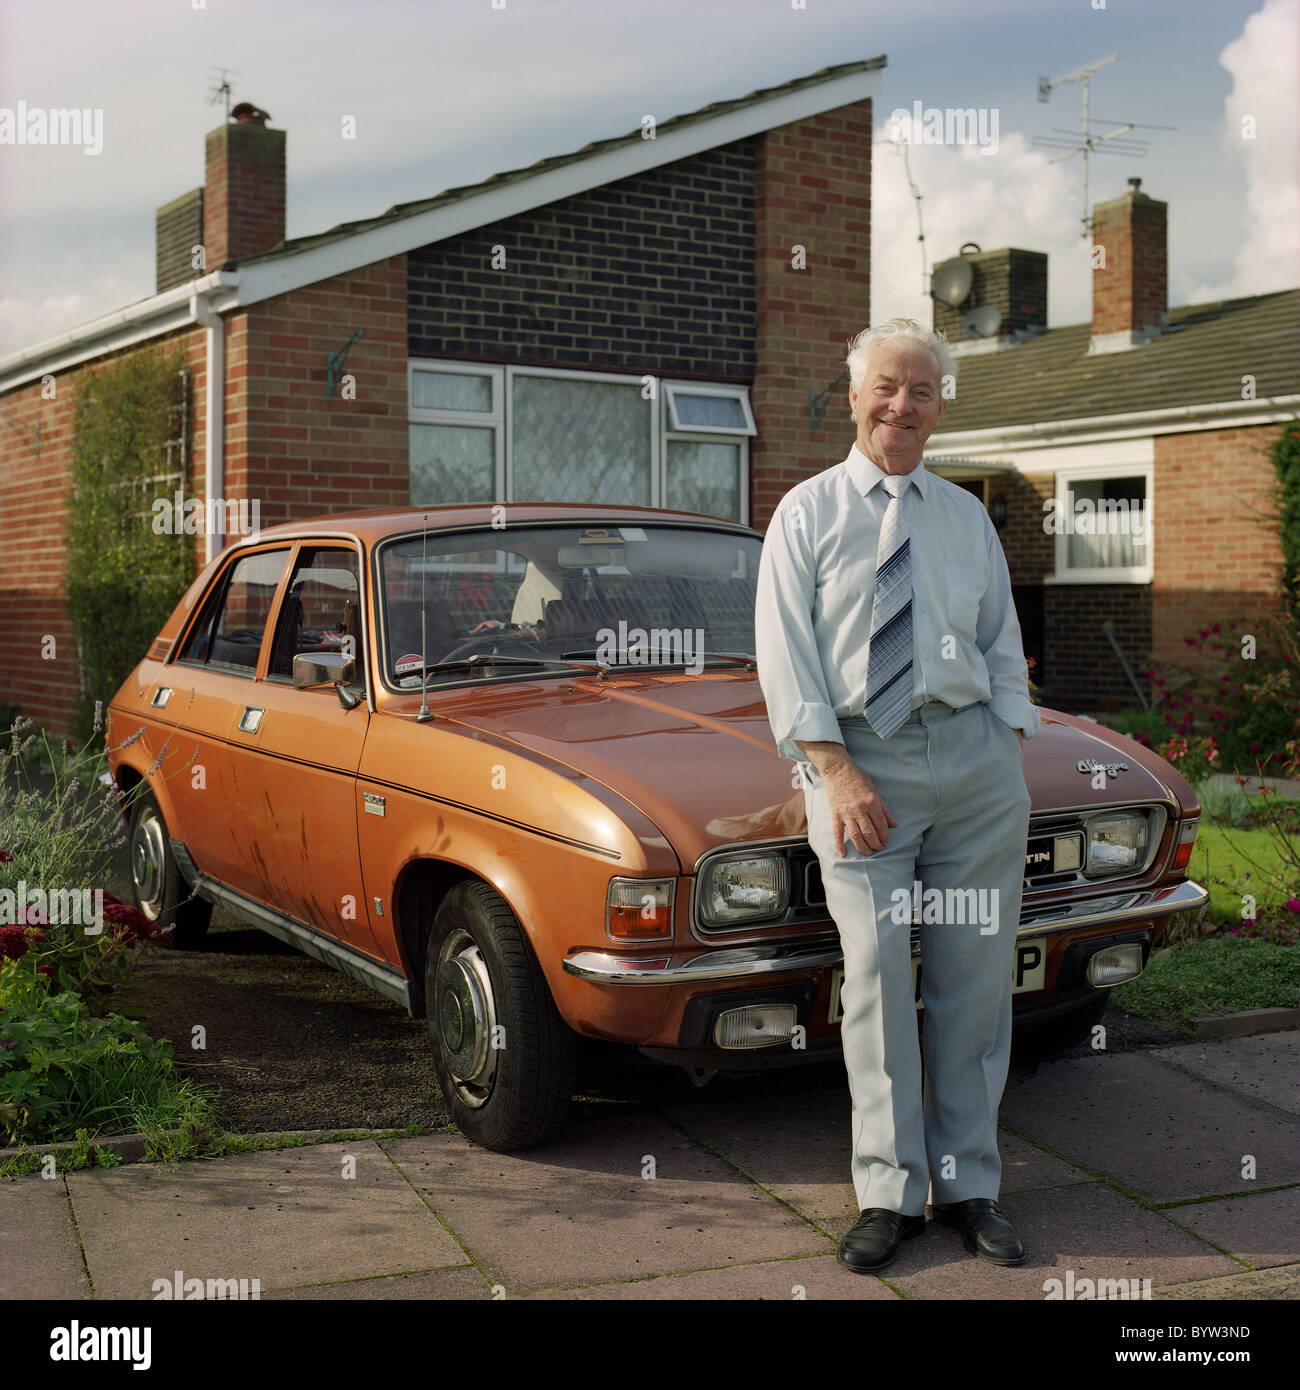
895	483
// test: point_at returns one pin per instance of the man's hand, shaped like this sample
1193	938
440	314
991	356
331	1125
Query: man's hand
857	812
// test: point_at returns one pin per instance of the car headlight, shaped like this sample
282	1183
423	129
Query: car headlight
744	888
1117	843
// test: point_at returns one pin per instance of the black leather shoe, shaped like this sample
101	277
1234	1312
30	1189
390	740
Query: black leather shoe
985	1231
872	1243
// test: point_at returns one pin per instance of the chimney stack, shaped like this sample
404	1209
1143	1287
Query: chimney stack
1130	290
243	202
1012	281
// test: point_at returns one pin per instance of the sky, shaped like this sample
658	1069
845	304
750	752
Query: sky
448	92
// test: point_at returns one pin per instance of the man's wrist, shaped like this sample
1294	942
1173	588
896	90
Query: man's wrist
824	756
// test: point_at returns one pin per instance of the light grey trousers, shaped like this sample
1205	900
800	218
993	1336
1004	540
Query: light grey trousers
954	781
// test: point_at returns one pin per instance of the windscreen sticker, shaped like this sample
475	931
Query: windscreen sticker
411	662
596	535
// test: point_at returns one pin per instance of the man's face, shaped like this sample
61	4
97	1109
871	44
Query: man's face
899	404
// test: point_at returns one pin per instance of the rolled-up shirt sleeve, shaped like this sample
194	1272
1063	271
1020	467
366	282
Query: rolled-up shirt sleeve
789	664
998	638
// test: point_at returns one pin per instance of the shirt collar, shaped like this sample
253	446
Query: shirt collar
866	475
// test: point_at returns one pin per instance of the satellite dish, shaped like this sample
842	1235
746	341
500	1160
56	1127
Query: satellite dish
983	322
950	284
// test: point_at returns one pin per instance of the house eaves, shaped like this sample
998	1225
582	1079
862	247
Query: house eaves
307	260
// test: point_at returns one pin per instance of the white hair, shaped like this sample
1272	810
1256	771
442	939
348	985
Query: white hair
909	330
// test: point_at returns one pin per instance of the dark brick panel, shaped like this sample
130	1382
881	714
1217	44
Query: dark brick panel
1081	671
655	270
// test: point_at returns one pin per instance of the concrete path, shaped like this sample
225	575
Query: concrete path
1178	1165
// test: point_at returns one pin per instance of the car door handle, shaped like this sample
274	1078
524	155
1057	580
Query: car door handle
250	719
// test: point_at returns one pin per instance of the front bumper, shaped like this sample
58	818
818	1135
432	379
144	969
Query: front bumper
740	962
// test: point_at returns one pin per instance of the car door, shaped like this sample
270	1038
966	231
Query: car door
299	750
200	703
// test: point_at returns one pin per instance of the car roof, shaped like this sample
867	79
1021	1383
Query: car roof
372	526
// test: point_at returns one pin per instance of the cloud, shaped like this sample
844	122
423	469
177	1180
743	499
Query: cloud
1012	198
26	321
1260	129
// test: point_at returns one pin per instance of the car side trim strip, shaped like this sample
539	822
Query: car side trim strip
383	979
743	961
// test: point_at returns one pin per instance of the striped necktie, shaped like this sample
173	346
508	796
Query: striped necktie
889	655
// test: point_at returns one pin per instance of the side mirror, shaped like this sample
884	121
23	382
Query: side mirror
311	669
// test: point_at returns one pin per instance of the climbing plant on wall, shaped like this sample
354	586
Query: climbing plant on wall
124	573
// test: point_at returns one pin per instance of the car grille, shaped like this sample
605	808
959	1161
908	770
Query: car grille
1054	855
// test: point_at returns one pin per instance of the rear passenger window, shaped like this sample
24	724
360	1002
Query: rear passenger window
228	636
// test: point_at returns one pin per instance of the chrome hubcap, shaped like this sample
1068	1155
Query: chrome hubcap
466	1016
148	864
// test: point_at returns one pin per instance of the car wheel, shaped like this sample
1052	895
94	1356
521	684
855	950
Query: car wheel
1069	1030
504	1056
156	882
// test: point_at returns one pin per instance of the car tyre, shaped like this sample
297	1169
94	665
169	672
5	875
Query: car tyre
505	1058
156	882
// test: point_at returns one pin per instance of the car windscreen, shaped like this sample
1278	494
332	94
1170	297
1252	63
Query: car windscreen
547	591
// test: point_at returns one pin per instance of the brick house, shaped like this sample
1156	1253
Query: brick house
1158	418
664	300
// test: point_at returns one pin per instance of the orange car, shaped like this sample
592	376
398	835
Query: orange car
511	767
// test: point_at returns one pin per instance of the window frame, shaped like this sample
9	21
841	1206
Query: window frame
1064	573
214	601
297	549
664	426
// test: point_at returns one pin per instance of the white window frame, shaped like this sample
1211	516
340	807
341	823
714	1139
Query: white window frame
1127	574
662	416
481	419
673	389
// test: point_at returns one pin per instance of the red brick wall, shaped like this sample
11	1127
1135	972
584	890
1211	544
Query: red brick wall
1131	291
1029	549
813	181
33	525
1217	557
298	453
243	194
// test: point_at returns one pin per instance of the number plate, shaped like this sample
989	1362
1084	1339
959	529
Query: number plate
1028	973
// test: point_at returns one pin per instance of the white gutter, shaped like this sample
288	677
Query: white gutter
149	318
1179	419
214	413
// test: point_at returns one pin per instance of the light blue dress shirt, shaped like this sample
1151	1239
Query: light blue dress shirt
813	610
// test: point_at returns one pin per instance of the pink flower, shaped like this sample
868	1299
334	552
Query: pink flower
5	856
1293	904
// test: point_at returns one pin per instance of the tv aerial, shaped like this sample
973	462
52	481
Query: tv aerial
221	86
1134	147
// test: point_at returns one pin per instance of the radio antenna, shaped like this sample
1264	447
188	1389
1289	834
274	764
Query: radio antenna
424	716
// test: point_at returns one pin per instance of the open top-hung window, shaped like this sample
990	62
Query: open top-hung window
456	434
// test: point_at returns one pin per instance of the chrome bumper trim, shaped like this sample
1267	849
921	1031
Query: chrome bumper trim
743	962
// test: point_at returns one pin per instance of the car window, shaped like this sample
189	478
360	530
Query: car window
321	610
228	635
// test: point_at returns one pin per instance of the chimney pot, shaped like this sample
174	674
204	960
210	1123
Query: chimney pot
1135	184
248	114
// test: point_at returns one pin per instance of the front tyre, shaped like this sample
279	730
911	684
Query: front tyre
156	881
504	1056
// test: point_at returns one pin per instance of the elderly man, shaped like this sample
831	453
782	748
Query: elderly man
891	663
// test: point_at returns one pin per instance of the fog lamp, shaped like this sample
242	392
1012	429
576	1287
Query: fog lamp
756	1025
1115	964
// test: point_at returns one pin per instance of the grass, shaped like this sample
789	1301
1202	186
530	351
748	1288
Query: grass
1231	863
1216	975
194	1141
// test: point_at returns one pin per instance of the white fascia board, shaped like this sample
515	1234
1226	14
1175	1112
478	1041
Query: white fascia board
150	318
265	279
1183	419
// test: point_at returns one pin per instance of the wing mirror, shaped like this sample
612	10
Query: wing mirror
311	669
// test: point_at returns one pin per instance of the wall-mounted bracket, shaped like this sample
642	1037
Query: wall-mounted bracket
817	403
334	364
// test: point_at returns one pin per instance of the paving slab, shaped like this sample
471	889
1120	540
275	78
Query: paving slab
40	1256
286	1217
1084	1231
580	1210
1265	1069
1259	1284
1153	1128
462	1283
1262	1229
814	1277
